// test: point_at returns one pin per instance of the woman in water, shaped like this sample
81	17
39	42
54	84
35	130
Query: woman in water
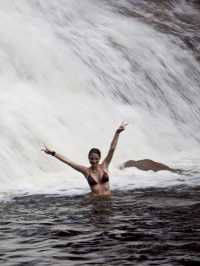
97	173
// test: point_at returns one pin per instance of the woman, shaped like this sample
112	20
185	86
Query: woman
97	174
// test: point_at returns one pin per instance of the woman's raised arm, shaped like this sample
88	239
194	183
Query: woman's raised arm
77	167
113	145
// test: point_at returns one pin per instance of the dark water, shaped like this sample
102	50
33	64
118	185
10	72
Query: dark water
151	226
154	226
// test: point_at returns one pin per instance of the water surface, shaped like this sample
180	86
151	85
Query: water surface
152	226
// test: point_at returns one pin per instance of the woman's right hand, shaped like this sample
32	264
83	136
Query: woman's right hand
48	151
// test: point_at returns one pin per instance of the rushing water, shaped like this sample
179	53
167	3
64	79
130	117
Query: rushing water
70	72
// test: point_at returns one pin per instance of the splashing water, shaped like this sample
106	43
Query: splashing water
70	72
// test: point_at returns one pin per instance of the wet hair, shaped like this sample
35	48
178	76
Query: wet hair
94	150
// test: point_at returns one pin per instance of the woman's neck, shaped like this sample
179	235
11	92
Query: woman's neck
94	167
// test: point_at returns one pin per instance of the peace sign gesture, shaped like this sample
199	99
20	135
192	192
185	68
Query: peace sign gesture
48	151
122	127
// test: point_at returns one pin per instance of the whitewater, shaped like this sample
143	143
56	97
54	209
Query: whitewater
70	72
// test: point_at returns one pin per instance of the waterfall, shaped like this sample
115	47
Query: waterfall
71	71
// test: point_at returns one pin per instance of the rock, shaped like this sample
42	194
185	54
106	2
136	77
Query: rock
146	165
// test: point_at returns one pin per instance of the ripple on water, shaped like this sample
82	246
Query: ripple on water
140	227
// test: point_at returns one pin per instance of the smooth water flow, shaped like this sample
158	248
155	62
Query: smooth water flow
70	73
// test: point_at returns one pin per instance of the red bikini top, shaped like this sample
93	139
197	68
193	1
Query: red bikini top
92	182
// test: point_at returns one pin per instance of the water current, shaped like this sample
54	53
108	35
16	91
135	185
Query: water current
70	72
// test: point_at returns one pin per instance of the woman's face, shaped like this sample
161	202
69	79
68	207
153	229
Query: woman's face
94	159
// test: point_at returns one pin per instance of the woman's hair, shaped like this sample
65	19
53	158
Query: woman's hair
94	150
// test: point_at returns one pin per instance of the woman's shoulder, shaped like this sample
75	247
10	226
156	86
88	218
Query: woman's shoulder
87	171
104	168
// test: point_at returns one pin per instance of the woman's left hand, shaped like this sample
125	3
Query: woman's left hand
122	127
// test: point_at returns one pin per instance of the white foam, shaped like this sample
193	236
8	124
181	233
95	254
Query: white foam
65	70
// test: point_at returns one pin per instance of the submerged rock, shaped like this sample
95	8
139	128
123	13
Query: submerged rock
147	164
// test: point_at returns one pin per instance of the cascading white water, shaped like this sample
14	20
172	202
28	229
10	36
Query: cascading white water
71	71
